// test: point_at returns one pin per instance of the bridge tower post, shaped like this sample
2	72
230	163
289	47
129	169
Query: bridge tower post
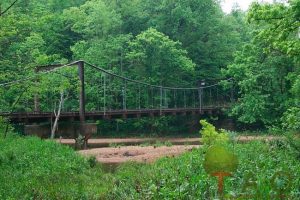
200	96
81	96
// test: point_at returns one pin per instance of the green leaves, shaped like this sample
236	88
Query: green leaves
291	119
211	136
266	68
93	19
154	55
280	26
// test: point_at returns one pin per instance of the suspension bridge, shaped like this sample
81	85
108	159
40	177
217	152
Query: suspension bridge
149	100
95	93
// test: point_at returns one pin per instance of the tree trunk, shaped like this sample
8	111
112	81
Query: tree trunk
57	115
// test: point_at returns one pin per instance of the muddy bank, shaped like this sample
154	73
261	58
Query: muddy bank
135	153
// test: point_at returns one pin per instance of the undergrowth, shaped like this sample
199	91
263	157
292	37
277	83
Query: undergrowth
34	169
184	177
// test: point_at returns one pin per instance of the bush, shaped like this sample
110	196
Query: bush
210	136
5	127
32	168
294	142
291	119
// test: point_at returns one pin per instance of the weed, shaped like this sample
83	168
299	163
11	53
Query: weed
116	145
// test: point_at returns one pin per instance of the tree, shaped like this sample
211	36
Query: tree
209	36
57	115
266	70
154	55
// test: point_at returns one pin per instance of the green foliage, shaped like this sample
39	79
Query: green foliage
57	172
147	40
154	54
294	142
142	39
266	70
92	161
185	178
280	25
116	145
32	168
168	143
209	36
211	136
291	119
5	127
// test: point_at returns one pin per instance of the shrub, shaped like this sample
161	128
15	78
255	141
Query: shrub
5	127
92	161
291	119
32	168
210	135
294	142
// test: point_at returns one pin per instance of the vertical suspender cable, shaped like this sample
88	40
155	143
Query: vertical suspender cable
184	98
152	98
175	104
139	97
194	97
104	93
124	95
160	106
231	91
210	99
166	102
217	97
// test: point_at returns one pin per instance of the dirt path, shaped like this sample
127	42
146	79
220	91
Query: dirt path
111	155
135	153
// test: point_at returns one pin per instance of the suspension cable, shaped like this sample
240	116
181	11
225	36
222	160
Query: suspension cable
150	85
15	82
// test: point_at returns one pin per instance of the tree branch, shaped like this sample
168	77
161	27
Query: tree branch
57	115
11	5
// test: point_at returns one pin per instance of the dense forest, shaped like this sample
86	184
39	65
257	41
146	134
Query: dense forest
160	42
244	64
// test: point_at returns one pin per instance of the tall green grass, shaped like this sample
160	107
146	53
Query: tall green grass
34	169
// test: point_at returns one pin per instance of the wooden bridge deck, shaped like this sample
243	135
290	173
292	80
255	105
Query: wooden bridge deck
110	114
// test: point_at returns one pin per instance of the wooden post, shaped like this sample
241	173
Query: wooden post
200	99
81	97
82	92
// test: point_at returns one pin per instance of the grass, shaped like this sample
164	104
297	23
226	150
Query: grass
116	145
156	144
36	169
184	177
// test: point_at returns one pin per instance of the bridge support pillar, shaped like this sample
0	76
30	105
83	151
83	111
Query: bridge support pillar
81	97
86	135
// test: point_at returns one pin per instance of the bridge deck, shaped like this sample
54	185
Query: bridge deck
94	115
